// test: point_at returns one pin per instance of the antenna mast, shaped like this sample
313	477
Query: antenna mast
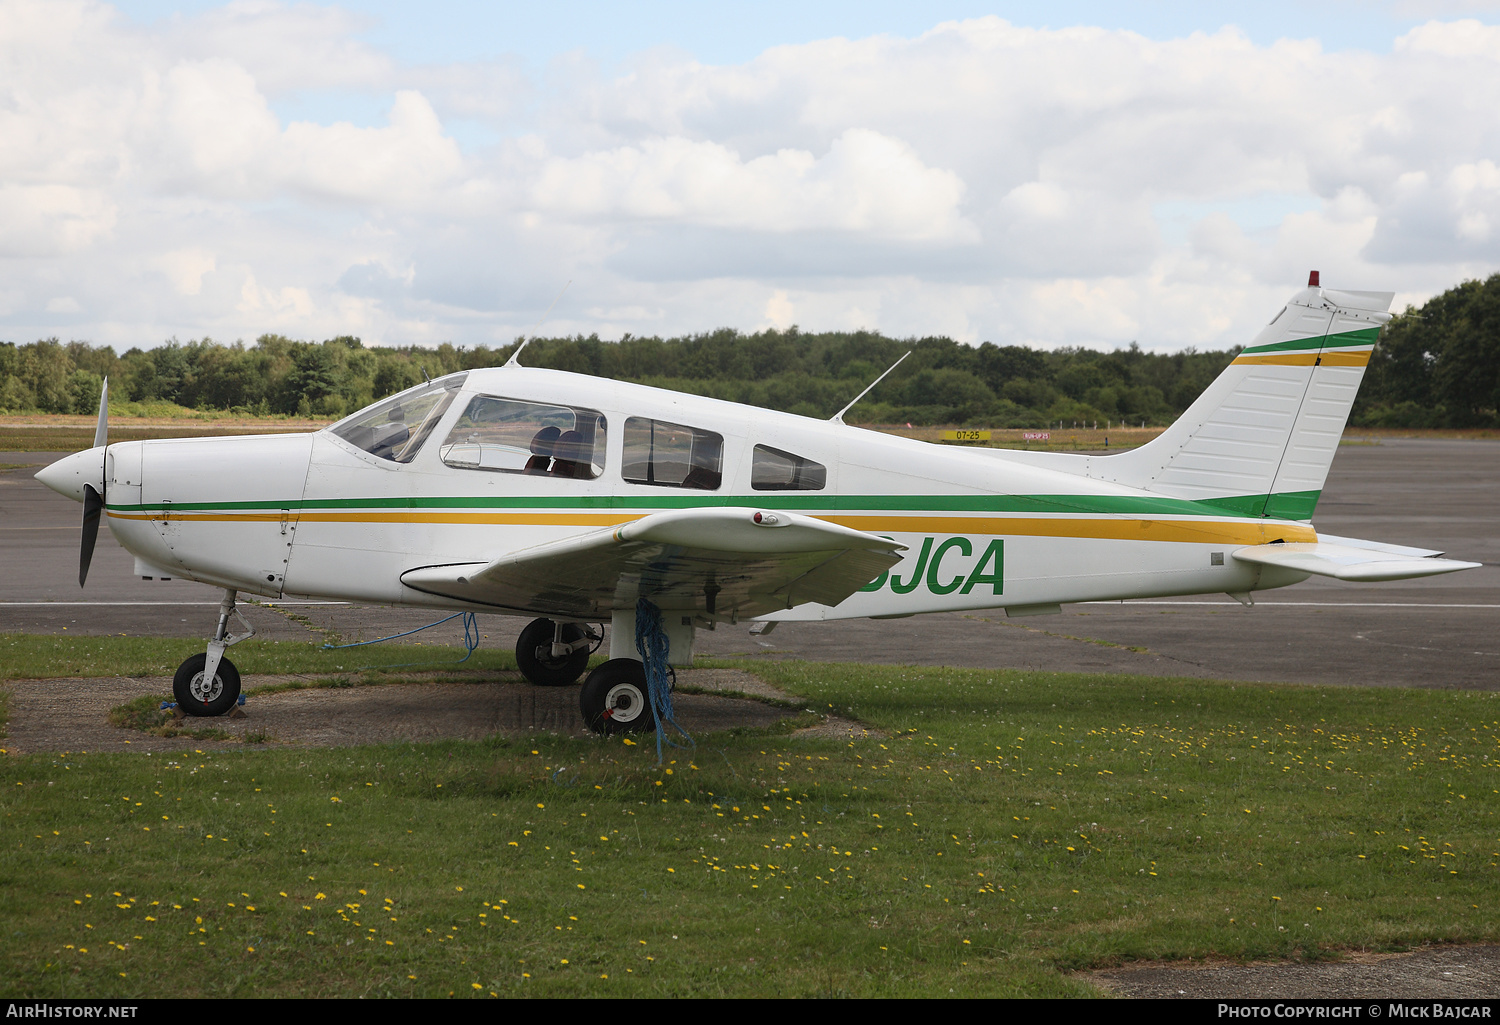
515	357
838	417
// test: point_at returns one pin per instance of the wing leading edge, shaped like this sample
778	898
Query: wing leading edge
717	561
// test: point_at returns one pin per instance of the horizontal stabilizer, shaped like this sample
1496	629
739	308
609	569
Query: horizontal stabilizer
718	562
1350	559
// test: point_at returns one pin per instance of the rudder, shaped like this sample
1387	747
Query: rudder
1259	441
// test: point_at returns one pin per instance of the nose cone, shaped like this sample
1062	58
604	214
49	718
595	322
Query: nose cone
69	474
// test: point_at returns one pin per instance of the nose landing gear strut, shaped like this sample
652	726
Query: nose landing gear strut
209	684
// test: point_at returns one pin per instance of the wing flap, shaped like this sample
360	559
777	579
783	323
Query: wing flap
1361	561
715	561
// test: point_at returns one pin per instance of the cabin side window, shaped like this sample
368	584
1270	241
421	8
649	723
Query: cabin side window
542	440
395	428
672	456
775	470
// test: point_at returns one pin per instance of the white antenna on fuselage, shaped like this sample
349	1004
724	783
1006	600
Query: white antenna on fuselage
515	357
838	417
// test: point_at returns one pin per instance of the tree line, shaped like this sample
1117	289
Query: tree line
813	374
1438	365
1434	366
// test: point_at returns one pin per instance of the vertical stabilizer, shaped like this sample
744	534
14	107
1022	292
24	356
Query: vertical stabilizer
1260	440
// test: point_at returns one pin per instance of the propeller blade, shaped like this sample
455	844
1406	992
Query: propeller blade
93	498
93	509
101	432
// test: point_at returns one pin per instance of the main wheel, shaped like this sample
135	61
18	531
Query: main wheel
614	698
196	696
534	654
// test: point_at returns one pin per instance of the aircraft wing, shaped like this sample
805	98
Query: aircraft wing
712	561
1352	559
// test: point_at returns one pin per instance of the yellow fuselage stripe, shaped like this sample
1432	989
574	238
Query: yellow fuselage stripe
1111	528
1196	531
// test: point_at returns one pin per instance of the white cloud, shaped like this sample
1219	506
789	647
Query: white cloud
1465	38
185	268
780	313
981	179
285	47
53	220
393	166
277	306
216	127
866	183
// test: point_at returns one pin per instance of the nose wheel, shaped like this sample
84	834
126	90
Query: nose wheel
197	693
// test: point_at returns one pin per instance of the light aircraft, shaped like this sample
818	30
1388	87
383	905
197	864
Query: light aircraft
580	501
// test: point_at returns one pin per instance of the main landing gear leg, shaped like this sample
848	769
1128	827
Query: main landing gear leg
616	698
209	684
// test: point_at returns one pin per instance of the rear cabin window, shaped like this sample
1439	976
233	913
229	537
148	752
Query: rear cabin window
511	436
672	456
775	470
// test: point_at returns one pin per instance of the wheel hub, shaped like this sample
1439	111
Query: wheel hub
206	692
624	702
545	657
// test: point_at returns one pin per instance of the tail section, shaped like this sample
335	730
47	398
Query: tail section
1260	440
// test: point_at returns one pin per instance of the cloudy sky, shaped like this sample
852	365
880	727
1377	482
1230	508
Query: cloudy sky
1064	173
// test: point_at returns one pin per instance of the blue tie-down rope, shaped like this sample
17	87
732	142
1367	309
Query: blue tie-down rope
471	641
651	642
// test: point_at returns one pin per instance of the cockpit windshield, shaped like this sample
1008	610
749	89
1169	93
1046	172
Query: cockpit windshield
395	428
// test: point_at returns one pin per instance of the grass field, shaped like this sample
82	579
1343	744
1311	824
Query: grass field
1000	830
45	656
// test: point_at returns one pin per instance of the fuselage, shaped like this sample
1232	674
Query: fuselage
344	512
318	515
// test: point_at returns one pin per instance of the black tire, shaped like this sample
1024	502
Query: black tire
534	654
194	699
614	699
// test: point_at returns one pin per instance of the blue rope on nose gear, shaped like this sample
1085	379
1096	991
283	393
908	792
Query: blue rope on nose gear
651	642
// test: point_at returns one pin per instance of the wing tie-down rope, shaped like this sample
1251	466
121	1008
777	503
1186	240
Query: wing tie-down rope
471	641
651	643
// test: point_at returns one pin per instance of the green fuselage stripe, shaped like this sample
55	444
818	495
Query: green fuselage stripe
1289	505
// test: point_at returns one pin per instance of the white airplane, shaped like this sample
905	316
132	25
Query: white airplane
580	501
